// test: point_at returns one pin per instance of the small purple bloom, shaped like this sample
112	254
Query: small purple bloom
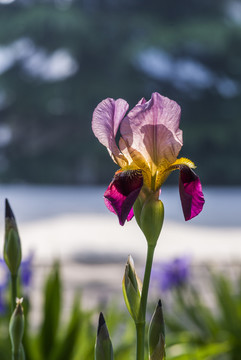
172	274
25	276
4	279
26	270
3	306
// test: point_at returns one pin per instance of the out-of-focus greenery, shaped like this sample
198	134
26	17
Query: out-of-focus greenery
197	327
66	339
206	320
59	58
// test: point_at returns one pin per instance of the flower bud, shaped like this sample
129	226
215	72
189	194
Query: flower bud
156	335
103	346
149	213
16	330
132	287
12	244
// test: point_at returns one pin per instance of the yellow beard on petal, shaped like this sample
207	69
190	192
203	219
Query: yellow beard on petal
166	168
147	178
183	161
154	180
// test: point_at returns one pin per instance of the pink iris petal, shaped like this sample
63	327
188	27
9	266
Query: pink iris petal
106	119
191	194
151	131
142	101
122	193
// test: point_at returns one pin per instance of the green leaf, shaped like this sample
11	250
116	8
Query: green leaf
187	351
228	304
51	312
67	343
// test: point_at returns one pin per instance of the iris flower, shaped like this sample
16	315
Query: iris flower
172	274
26	270
147	150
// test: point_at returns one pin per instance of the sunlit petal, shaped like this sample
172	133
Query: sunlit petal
106	119
124	150
151	132
142	101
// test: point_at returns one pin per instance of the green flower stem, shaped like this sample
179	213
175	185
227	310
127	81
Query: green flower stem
140	325
16	356
13	290
140	341
20	355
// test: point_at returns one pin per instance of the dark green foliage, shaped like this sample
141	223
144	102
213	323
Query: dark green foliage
201	323
67	345
211	331
51	313
50	120
59	339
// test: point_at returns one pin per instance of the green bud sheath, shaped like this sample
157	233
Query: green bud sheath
16	329
145	193
12	246
12	251
151	219
103	346
156	335
137	207
132	286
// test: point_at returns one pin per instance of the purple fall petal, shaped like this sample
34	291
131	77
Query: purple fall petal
122	193
191	194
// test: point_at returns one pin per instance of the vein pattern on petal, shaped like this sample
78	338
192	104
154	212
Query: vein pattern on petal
106	120
151	132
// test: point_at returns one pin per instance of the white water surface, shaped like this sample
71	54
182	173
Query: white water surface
69	222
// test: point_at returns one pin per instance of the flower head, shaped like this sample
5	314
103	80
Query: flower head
146	153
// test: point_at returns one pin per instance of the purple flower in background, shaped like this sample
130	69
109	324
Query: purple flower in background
4	279
3	287
25	276
172	274
26	270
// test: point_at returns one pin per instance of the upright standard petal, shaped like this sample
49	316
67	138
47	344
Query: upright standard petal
106	119
151	132
191	194
122	193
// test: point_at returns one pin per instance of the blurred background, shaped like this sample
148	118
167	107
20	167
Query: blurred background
58	60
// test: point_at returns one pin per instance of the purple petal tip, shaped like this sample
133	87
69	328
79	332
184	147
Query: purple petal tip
122	193
191	194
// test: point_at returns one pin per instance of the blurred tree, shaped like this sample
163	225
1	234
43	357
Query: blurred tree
58	59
